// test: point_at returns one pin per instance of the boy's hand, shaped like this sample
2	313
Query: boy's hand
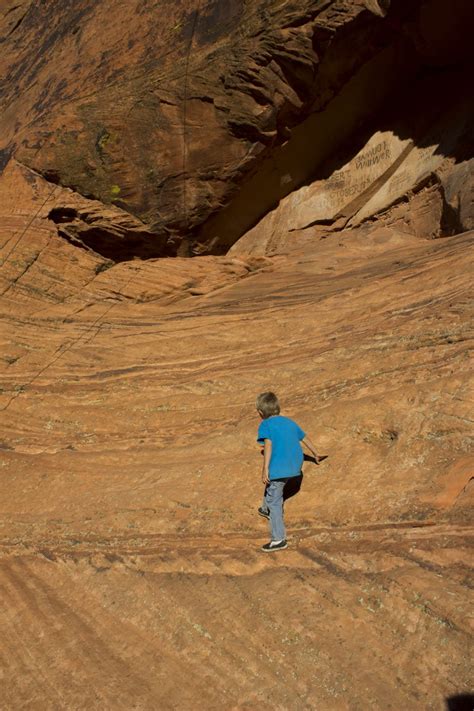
265	478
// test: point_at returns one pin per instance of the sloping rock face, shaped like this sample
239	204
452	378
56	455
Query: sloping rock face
130	569
180	109
129	559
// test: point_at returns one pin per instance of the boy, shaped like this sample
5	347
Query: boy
282	459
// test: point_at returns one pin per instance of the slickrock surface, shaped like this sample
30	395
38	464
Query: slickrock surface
329	145
130	569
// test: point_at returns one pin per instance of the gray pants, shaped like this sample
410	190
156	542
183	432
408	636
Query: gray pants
273	503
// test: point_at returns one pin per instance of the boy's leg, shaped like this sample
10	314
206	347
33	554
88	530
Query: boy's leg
274	503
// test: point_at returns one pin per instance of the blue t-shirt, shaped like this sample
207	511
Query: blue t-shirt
287	455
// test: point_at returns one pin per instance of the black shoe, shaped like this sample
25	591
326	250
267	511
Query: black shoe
262	512
274	546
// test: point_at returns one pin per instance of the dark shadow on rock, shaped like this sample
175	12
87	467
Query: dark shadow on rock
309	458
420	76
293	485
460	702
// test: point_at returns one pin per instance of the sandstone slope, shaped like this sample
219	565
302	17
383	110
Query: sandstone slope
341	179
130	475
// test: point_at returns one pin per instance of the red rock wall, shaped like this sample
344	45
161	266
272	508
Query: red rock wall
187	114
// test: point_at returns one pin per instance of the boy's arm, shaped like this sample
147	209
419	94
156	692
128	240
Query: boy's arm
267	453
306	441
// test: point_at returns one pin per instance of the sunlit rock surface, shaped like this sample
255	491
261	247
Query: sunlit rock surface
130	569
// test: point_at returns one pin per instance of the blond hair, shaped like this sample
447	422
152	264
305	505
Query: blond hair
267	403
